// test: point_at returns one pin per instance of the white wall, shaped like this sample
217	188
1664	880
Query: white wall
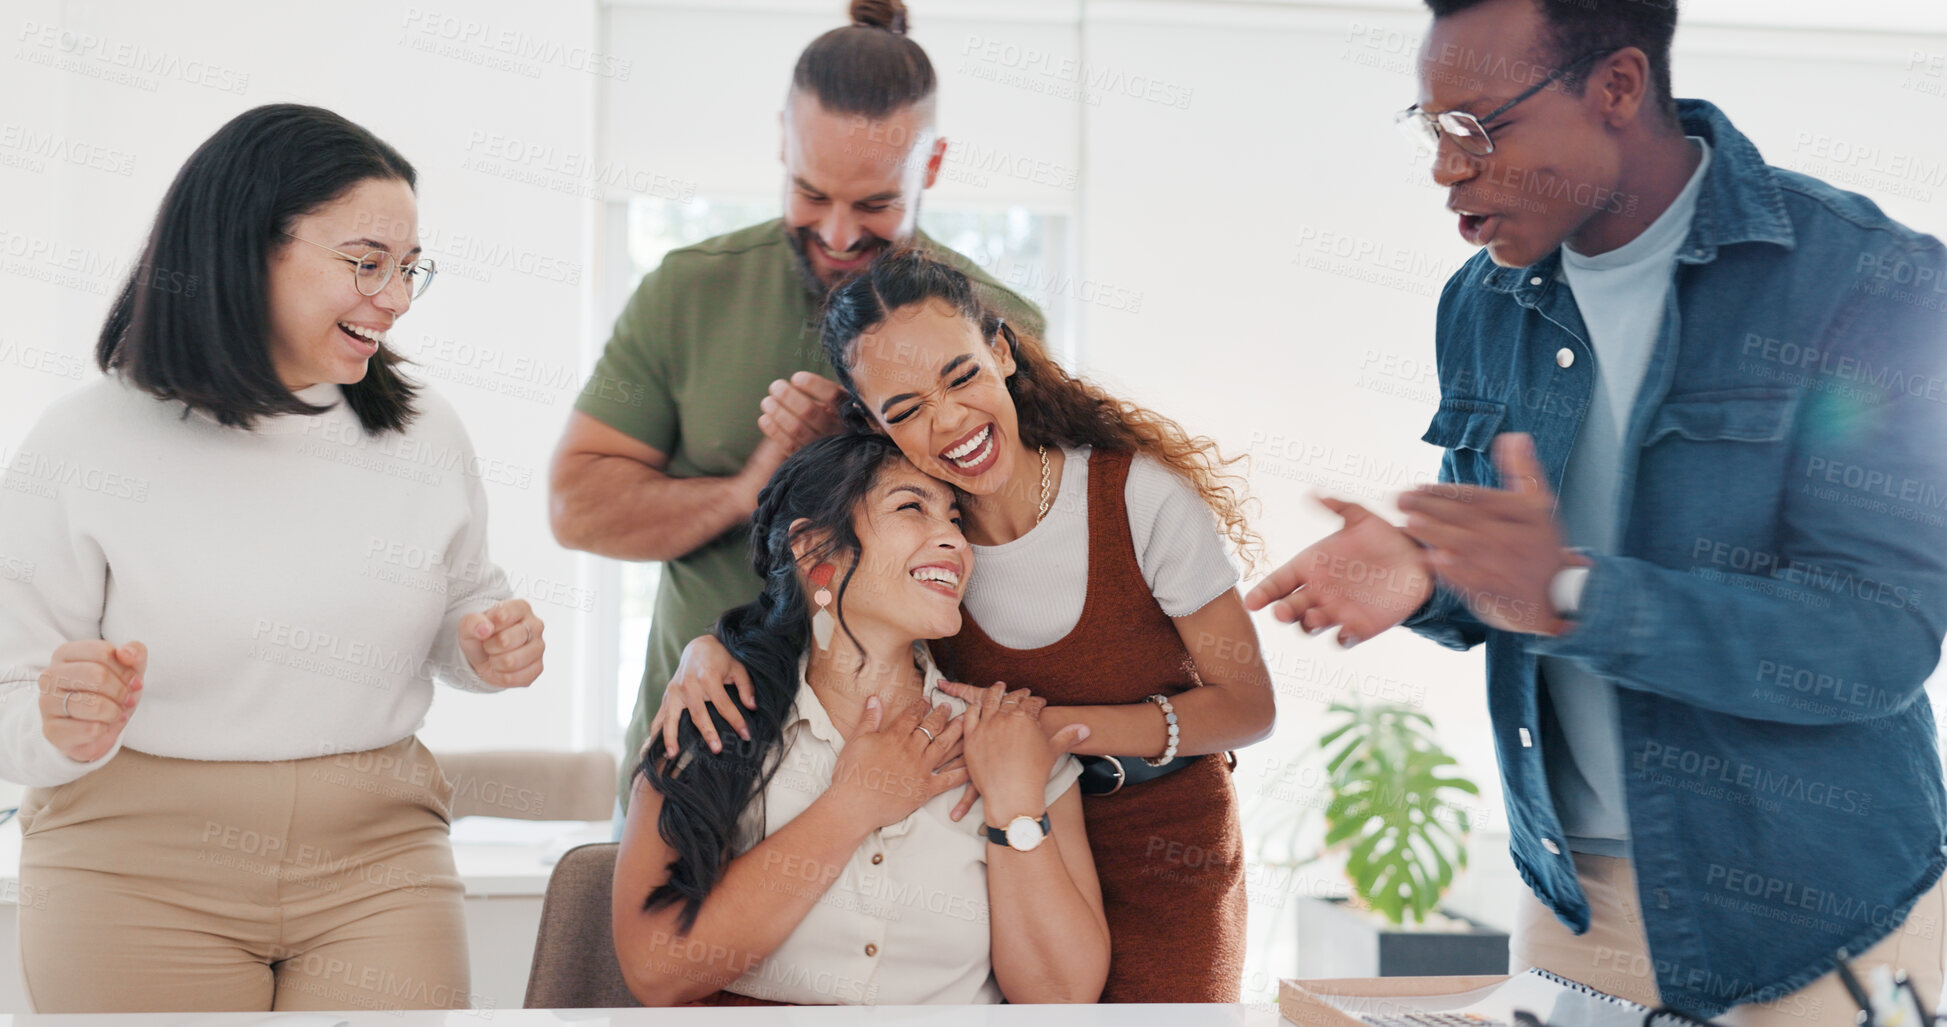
713	123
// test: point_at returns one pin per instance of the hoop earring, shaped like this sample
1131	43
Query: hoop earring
822	622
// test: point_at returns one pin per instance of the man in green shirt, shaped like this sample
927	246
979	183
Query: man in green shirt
715	373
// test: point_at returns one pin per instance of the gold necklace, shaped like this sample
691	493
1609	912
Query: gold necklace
1042	511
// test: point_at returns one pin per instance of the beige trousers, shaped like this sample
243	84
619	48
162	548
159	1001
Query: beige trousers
1614	955
163	885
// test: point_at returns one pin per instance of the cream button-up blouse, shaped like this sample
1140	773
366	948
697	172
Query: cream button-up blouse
905	922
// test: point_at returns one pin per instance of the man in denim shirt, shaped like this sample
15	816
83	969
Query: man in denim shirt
1706	658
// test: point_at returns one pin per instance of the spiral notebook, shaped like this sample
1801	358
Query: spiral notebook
1553	1000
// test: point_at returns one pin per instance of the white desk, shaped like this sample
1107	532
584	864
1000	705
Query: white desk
806	1016
505	865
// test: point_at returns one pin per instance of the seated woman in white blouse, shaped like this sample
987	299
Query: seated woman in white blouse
817	862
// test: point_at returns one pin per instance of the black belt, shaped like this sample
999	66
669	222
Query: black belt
1107	775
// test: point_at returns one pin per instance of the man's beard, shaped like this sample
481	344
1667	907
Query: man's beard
800	244
801	256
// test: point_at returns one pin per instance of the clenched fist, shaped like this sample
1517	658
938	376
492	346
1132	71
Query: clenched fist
504	644
88	692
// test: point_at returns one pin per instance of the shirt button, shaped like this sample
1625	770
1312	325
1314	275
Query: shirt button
872	950
1565	357
878	858
1527	740
1536	280
1549	844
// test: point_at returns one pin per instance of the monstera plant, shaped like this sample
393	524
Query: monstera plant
1395	808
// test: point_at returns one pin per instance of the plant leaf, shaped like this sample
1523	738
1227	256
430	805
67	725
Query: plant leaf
1395	809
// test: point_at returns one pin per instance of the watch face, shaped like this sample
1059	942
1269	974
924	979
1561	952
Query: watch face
1024	833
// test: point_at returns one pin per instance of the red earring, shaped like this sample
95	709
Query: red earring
822	622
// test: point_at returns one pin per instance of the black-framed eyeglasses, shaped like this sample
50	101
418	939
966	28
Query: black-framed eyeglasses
372	272
1469	132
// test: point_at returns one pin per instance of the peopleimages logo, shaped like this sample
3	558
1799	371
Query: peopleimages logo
1747	777
1026	66
119	60
59	147
432	28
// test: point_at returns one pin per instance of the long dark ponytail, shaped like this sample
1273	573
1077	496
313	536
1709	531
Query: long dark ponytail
705	794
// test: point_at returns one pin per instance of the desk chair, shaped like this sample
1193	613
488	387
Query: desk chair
574	952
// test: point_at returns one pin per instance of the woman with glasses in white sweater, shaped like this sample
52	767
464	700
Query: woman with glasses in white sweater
252	546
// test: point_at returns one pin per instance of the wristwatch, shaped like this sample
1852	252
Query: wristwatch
1022	833
1565	590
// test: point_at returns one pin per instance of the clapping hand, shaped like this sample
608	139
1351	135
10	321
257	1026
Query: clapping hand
1362	579
1500	549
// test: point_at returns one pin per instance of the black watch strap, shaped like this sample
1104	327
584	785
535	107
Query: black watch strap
998	835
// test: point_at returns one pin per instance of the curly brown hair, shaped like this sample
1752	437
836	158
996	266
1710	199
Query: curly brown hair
1053	406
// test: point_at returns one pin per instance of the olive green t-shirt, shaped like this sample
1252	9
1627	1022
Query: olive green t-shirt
693	352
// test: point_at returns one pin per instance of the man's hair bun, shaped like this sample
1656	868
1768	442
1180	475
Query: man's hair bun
880	14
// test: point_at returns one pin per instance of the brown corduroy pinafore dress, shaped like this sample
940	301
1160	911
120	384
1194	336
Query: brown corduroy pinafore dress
1169	852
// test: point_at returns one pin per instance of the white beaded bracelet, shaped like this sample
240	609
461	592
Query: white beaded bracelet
1169	719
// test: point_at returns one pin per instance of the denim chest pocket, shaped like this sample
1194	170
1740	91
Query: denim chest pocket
1466	428
1730	415
1713	467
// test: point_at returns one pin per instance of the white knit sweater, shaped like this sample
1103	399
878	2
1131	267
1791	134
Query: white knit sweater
298	585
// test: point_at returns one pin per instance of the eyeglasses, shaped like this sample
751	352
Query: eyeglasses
373	272
1468	132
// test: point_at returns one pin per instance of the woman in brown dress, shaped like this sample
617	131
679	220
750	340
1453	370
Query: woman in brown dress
1105	589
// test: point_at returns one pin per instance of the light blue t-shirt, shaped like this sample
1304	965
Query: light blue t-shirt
1623	295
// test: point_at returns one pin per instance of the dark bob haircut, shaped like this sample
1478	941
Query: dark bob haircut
192	322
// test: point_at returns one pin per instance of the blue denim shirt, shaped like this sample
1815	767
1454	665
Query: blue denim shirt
1780	593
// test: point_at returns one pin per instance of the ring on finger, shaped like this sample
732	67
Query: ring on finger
65	696
929	734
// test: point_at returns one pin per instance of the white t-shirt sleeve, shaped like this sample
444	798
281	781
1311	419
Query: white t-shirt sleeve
474	583
1066	772
53	583
1178	543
